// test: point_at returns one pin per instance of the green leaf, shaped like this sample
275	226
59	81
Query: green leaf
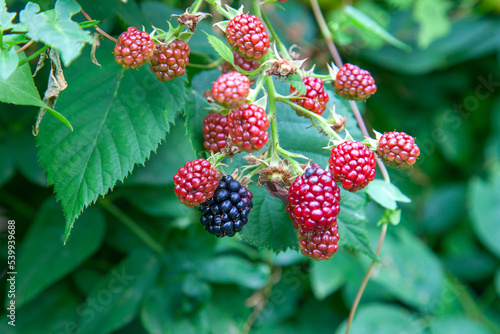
222	49
268	223
386	194
382	319
115	299
20	89
41	316
415	280
366	23
56	29
195	113
5	17
8	63
484	210
456	324
352	223
120	117
296	81
43	259
230	269
497	282
432	15
329	276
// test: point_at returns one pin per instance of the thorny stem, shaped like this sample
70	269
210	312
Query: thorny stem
218	8
365	279
132	225
272	120
359	119
25	46
102	32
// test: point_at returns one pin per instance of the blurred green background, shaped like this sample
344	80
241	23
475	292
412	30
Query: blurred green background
439	269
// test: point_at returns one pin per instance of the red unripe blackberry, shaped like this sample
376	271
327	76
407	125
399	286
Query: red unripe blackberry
247	35
315	98
353	164
134	48
196	182
354	83
248	127
397	149
170	60
314	200
319	245
215	131
241	62
231	89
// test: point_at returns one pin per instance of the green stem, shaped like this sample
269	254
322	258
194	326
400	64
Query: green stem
281	46
33	56
256	8
88	24
272	120
132	225
213	64
322	122
258	87
219	8
1	40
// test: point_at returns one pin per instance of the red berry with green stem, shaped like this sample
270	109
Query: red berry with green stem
315	99
353	164
215	131
248	127
314	200
247	35
397	149
196	182
354	83
169	60
134	48
231	89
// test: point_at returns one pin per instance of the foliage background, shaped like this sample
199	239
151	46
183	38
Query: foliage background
439	269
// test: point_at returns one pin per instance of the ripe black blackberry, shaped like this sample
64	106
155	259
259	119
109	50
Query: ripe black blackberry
227	211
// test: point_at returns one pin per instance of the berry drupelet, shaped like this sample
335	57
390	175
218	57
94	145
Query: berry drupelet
319	245
231	89
248	127
215	130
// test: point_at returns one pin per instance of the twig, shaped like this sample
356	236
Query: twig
359	119
102	32
25	46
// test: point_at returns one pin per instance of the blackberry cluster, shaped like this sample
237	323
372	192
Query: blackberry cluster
195	182
397	149
134	48
227	211
247	35
215	130
169	60
314	203
353	164
231	89
354	83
